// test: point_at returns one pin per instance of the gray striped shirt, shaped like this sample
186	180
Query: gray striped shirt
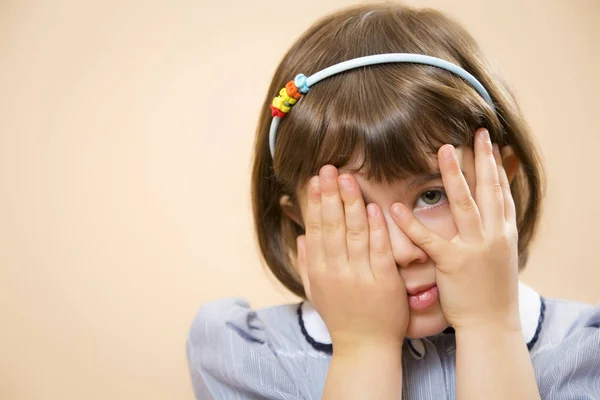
283	352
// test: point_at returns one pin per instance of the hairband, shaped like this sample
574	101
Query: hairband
293	90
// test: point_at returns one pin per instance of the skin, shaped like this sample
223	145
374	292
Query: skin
356	261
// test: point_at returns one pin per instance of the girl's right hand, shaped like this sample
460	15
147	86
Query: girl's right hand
347	267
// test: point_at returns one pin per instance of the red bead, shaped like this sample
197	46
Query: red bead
275	112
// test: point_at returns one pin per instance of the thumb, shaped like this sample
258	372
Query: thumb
301	264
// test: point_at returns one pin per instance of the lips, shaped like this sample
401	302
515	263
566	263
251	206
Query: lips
420	298
419	289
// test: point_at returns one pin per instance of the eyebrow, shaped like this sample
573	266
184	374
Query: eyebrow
418	181
423	179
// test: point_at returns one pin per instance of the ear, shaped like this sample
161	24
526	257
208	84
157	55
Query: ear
510	162
291	209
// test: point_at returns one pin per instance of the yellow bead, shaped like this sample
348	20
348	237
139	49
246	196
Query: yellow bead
287	98
279	103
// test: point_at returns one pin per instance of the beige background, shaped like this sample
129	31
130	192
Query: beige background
125	136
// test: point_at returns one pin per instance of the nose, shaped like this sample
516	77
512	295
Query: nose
404	250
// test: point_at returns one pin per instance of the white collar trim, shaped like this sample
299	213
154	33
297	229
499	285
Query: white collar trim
530	303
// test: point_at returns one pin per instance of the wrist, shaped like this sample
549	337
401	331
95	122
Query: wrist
376	360
367	371
489	334
493	325
367	351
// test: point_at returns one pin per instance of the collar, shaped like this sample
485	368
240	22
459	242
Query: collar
531	313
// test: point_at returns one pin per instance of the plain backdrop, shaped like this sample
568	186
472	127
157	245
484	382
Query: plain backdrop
125	142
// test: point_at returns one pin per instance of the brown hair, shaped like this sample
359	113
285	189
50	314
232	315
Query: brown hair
392	118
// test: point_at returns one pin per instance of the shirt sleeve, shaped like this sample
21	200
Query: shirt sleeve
230	357
572	367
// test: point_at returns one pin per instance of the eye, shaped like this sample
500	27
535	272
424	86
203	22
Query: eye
430	198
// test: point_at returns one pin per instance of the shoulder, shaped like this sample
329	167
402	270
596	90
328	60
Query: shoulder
563	319
232	351
225	321
220	316
567	355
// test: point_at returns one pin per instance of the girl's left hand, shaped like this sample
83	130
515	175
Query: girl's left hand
477	270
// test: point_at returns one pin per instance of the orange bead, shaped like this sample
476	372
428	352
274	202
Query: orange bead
292	90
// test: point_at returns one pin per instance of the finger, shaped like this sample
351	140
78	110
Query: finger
301	264
357	227
333	220
489	192
315	255
431	243
381	257
509	203
462	205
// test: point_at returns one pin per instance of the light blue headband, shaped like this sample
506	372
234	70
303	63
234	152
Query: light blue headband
294	90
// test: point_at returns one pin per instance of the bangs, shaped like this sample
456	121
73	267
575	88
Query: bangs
385	121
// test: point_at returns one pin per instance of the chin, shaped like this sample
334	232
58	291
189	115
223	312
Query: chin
425	323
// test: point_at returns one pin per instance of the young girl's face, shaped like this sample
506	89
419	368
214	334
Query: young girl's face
426	197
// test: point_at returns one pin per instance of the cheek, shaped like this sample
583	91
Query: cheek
440	221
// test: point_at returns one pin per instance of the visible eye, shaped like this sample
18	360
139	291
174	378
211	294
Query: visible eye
430	198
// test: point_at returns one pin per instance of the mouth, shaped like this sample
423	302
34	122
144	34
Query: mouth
422	297
419	289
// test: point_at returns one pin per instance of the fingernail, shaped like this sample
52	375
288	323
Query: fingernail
485	135
397	211
449	153
345	184
328	173
496	148
372	211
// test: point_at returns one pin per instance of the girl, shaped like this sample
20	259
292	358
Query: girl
398	197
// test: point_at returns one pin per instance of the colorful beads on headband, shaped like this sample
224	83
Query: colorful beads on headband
288	96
